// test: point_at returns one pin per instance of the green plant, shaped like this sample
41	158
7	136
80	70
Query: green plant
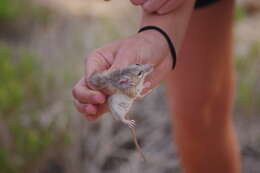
240	13
24	94
248	91
13	9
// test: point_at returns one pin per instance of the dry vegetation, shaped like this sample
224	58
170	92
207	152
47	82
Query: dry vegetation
74	145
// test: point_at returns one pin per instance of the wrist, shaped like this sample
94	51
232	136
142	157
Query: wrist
167	39
155	39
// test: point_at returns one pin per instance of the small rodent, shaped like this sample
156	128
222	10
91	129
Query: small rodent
124	85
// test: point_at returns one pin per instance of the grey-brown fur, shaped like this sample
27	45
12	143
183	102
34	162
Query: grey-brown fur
125	85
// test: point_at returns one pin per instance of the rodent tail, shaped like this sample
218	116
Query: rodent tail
133	132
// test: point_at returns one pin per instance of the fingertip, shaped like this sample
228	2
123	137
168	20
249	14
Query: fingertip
170	6
138	2
90	109
152	6
147	7
74	92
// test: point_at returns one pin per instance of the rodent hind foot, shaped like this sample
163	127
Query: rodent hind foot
130	123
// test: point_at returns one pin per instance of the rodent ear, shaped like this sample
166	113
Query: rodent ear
125	83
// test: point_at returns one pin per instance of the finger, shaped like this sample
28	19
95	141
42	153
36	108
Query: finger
91	109
95	111
80	107
123	59
101	59
126	56
158	74
101	110
85	95
88	111
138	2
140	50
153	5
170	6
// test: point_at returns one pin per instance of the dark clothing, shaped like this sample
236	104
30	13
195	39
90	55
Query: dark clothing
204	3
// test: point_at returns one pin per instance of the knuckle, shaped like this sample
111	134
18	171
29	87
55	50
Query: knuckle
74	92
96	53
83	98
92	55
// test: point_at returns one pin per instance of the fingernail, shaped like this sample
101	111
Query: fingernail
99	99
90	110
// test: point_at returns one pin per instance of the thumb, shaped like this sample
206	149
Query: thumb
101	59
125	57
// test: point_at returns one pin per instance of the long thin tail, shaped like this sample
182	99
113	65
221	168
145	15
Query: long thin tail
133	132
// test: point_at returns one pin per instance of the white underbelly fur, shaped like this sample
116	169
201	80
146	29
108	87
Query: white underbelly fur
119	105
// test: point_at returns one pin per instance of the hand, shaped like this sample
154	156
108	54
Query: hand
158	6
148	47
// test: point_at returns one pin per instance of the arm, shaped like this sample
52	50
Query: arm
174	23
147	47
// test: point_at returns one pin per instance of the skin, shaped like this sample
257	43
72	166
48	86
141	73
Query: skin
202	81
205	130
148	47
160	7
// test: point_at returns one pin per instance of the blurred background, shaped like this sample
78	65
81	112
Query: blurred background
42	46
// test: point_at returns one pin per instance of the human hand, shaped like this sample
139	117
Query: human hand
147	47
157	6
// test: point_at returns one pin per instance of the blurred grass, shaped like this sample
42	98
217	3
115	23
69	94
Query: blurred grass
248	83
24	92
240	14
13	10
19	17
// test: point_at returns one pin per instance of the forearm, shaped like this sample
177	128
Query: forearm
174	24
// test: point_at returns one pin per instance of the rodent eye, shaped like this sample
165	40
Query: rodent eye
137	64
140	73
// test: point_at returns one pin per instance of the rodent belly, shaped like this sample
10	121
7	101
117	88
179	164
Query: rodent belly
120	104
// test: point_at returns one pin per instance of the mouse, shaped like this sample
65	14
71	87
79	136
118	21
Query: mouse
124	86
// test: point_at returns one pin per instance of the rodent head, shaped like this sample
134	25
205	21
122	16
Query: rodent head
123	79
133	74
137	71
